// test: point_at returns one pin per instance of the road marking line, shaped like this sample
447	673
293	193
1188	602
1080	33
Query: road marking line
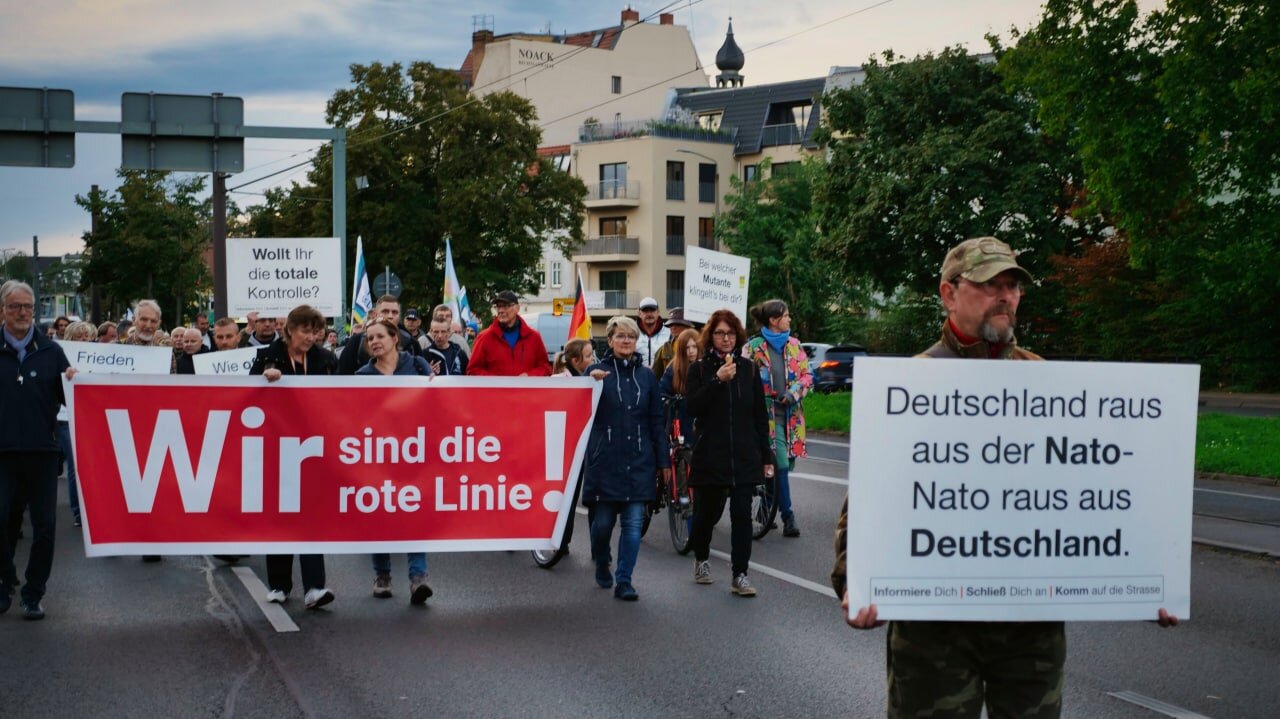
827	442
1156	705
819	478
824	460
275	613
1239	494
779	574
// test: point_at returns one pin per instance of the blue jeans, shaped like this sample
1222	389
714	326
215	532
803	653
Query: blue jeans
783	473
417	564
64	441
631	516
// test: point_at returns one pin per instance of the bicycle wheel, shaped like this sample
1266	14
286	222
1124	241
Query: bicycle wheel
680	506
764	510
547	558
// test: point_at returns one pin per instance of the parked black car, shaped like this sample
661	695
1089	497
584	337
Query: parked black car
835	371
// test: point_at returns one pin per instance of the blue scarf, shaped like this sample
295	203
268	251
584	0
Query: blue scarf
776	340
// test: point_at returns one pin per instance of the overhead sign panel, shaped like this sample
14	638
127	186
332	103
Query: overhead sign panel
185	133
25	136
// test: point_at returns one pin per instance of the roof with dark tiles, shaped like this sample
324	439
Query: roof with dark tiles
746	108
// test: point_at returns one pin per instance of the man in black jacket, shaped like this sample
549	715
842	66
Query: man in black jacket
31	366
354	355
445	356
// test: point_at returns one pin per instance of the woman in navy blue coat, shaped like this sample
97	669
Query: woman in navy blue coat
628	445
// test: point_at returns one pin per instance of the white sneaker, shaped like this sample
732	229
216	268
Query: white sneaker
318	597
742	586
702	572
276	596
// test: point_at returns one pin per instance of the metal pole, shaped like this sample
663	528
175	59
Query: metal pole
35	278
340	210
95	226
219	244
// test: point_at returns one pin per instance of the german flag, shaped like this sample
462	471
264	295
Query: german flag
579	322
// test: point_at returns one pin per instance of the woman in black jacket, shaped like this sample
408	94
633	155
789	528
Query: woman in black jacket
731	452
297	352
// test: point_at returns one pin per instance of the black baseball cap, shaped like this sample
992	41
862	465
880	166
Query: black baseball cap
506	297
412	314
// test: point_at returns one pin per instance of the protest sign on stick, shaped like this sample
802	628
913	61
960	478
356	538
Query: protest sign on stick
272	275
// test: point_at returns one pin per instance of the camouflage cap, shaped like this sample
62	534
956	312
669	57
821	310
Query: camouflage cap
979	259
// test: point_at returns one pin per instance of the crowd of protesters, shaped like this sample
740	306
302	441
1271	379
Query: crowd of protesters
646	359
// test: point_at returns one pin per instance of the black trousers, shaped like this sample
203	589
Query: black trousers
280	571
35	476
708	506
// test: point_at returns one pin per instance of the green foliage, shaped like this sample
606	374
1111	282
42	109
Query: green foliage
773	222
827	412
439	163
152	236
905	322
930	152
16	267
1173	117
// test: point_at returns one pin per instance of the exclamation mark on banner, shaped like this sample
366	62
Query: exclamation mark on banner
553	443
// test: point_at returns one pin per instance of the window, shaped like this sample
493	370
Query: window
555	273
789	113
750	173
707	233
613	180
785	169
614	285
675	288
542	273
611	226
710	120
675	180
706	182
675	235
615	84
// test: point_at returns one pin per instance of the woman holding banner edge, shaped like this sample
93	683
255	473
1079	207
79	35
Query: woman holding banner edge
382	342
297	352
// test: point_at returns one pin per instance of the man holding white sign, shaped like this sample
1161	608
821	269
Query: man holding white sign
951	668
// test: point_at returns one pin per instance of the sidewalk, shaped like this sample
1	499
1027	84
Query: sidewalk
1240	400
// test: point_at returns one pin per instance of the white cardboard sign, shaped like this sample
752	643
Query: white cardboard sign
715	280
225	362
100	358
1021	491
272	275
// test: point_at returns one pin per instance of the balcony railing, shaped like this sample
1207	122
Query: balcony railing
675	298
675	244
773	135
605	131
621	299
675	189
609	245
613	190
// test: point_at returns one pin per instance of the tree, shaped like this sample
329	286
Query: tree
439	163
1172	116
932	151
153	232
774	222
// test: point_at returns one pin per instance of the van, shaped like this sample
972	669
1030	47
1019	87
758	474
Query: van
553	328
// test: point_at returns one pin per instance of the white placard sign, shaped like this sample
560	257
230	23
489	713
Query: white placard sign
100	358
715	280
1021	491
272	275
226	362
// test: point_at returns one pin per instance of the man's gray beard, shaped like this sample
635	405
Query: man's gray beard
995	336
145	337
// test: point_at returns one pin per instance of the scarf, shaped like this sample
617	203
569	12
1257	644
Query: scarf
776	340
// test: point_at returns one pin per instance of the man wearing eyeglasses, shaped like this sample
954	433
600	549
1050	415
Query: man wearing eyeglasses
31	369
953	668
509	347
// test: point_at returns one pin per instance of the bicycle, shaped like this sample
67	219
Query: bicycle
764	508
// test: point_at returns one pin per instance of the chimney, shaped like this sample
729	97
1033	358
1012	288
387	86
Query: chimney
666	18
630	14
479	39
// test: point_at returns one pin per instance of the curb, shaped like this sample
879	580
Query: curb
1257	552
1243	479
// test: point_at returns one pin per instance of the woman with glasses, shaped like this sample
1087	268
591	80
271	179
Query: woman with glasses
628	444
731	452
785	376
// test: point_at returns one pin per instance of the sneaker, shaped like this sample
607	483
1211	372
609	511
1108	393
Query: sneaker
32	610
419	590
742	586
625	592
316	598
382	586
277	596
789	528
75	522
702	572
604	577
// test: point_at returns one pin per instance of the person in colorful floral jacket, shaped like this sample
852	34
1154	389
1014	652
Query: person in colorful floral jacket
784	370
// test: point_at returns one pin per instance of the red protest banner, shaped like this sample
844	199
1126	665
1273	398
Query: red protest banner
193	465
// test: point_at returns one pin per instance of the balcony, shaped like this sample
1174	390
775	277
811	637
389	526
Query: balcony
675	244
621	299
605	131
774	135
675	298
609	248
612	193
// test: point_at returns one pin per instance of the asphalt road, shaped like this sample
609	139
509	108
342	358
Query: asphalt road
187	638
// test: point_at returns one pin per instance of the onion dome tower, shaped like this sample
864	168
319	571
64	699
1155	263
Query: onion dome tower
729	60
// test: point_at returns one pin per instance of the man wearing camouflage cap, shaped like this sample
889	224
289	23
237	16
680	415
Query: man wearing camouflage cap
950	669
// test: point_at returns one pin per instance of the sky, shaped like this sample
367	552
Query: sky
286	57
